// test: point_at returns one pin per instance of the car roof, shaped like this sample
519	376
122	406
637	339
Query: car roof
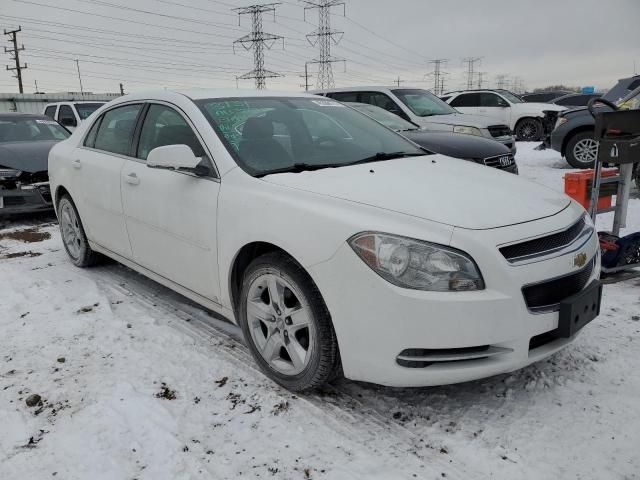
18	115
366	88
499	90
75	101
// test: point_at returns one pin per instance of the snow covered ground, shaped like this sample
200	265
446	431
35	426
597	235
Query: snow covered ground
135	382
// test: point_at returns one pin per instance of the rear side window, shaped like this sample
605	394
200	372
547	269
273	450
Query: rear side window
164	126
115	132
466	100
66	116
344	96
50	111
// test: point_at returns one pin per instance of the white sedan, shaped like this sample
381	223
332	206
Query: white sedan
336	244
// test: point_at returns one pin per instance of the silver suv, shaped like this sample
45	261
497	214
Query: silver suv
425	110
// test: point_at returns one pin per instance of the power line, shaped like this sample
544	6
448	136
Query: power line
258	40
324	36
15	51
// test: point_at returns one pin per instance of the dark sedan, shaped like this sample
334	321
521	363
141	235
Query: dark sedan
574	130
458	145
25	141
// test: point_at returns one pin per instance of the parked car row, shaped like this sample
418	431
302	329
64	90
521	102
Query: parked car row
335	243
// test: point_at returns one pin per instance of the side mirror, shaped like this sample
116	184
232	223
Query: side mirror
177	157
68	122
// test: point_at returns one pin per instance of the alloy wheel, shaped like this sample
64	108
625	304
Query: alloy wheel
71	230
280	323
528	130
586	151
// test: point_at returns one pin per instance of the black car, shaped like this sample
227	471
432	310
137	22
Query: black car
543	97
25	141
573	100
574	129
458	145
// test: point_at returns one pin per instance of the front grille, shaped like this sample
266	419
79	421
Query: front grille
14	201
501	161
543	244
548	295
499	130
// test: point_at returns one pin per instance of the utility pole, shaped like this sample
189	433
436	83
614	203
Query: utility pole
438	75
15	51
397	81
258	40
471	65
306	77
121	89
324	36
36	82
79	76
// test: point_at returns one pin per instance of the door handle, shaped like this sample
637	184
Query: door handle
77	163
132	179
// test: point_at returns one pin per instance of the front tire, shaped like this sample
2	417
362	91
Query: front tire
286	323
582	150
74	238
529	130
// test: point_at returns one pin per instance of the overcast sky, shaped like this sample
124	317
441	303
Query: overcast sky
188	43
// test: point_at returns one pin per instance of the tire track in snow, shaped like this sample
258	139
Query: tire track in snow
362	424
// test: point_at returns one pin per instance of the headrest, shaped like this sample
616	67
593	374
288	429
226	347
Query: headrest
257	128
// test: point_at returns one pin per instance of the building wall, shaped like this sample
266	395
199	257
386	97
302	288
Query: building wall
36	102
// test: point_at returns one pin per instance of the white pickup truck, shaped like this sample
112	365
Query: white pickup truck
71	114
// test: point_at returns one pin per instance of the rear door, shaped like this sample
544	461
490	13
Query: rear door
98	166
171	216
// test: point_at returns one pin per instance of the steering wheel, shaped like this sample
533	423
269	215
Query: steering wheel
593	101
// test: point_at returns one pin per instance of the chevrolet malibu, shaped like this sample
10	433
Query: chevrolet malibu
337	245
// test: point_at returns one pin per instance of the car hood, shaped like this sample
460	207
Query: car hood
457	145
435	188
466	119
26	156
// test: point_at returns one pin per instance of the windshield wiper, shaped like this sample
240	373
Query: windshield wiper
308	167
382	156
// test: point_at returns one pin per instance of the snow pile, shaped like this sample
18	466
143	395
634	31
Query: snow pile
136	382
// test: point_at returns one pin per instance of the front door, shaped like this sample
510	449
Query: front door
98	165
171	216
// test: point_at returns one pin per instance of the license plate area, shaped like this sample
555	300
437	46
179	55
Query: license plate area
578	310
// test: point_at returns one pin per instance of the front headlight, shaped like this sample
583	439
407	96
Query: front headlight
415	264
467	130
560	121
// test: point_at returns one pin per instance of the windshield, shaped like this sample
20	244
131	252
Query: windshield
388	119
510	96
86	109
423	103
30	130
271	134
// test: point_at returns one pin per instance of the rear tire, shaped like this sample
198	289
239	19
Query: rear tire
74	238
582	150
529	130
291	337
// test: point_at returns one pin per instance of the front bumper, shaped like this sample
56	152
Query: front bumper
376	322
25	199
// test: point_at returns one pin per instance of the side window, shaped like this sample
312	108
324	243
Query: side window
492	100
164	126
379	100
344	96
90	139
66	116
466	100
116	129
445	98
50	111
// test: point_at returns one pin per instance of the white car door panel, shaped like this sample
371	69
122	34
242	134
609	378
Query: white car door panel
100	204
171	221
171	216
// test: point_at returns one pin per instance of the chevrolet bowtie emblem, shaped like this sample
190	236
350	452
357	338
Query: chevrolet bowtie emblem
580	259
